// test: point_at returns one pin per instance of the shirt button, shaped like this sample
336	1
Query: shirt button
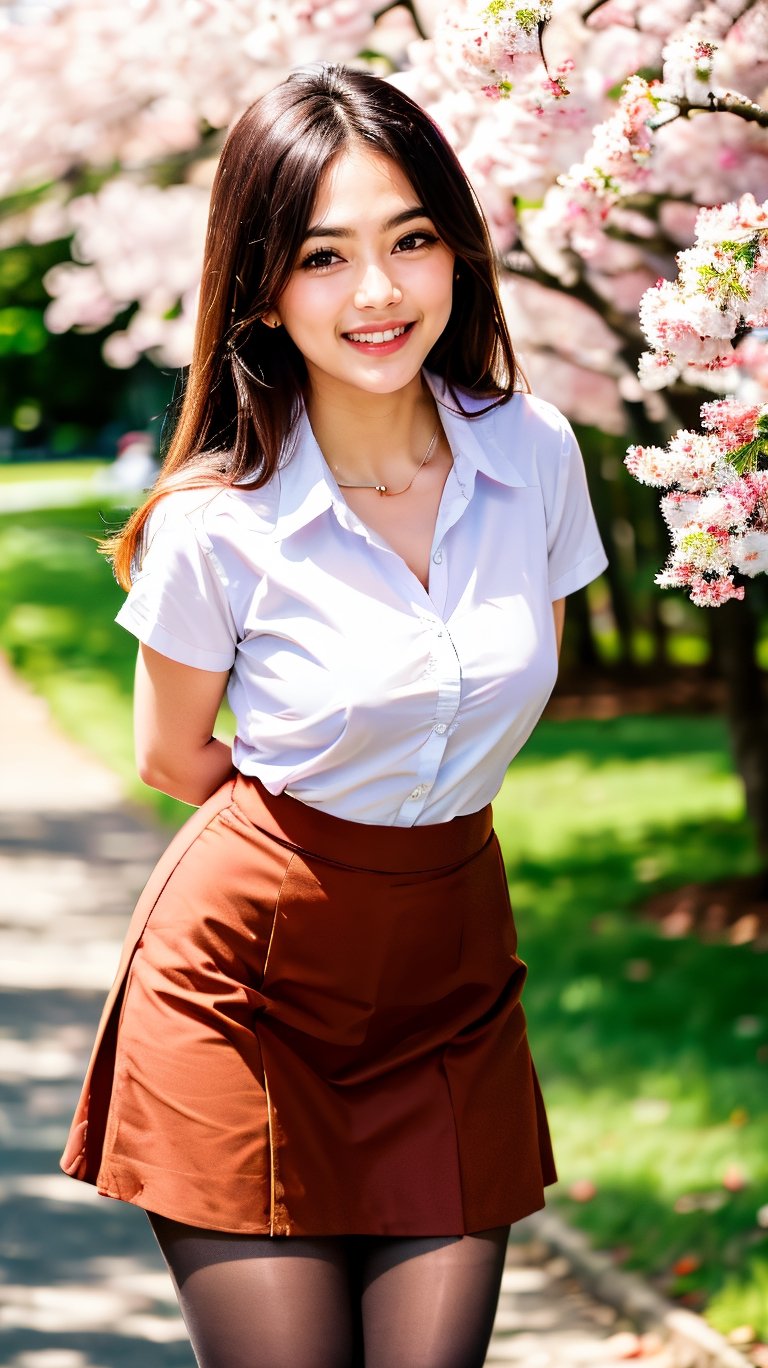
438	557
441	728
419	791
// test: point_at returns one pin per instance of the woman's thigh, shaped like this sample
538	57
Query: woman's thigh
431	1303
261	1301
293	1302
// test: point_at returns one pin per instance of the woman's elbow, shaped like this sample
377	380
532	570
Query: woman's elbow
153	772
175	785
157	770
190	776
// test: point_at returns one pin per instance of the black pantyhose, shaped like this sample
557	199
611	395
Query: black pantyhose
261	1302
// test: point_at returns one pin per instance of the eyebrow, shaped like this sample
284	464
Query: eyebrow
325	230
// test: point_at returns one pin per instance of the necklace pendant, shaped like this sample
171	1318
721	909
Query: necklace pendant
381	489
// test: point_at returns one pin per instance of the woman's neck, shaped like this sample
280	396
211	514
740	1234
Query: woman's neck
368	439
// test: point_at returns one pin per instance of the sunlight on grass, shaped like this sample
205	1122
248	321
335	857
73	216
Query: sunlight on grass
742	1299
653	1052
40	472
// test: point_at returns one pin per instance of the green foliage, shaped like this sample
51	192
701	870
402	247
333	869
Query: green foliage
62	380
746	253
722	284
22	332
22	200
753	455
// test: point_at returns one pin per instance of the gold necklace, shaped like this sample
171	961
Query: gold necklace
382	488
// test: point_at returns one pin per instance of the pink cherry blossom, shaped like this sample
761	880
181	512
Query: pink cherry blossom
480	43
147	244
712	591
750	553
692	323
690	461
678	508
731	422
717	516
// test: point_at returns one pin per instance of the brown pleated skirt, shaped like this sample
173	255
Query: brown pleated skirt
316	1030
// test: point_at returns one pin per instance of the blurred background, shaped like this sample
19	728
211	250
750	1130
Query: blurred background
635	822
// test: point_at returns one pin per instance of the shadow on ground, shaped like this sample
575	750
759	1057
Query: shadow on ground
82	1283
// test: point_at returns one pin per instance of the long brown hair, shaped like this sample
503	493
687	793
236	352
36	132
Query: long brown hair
244	388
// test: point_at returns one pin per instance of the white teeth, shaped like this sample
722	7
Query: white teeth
388	336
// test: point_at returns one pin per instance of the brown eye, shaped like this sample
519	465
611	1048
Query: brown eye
412	241
319	260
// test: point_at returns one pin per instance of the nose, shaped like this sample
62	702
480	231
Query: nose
376	288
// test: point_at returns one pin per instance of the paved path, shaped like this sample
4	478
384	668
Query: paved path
81	1282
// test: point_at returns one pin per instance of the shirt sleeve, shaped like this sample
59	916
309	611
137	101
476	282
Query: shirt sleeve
177	603
576	553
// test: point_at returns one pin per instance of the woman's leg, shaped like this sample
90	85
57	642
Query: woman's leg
431	1303
261	1302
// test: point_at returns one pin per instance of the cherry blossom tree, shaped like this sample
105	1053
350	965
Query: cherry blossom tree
595	132
590	172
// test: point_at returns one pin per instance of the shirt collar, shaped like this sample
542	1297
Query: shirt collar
306	485
307	488
474	442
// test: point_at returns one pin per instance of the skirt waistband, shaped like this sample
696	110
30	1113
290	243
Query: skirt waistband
360	845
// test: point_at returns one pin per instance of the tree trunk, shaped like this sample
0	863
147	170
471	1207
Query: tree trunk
735	638
584	653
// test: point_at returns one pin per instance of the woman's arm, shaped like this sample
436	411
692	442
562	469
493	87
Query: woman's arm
175	709
558	608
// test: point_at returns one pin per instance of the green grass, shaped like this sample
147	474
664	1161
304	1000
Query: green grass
58	599
653	1052
38	472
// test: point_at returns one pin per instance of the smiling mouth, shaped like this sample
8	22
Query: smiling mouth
382	335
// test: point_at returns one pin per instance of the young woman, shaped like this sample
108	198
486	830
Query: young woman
313	1071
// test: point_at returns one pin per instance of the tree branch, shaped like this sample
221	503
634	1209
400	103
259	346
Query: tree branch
714	104
524	265
598	4
592	9
406	5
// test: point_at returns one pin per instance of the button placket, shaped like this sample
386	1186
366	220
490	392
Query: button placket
443	662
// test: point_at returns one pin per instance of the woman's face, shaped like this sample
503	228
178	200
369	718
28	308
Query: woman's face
371	291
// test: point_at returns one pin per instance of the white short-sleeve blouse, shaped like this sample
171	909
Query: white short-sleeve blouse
354	689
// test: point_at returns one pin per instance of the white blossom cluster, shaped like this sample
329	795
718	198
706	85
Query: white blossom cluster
135	241
717	479
691	323
482	43
98	83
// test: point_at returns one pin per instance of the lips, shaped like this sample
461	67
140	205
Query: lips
381	339
385	335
